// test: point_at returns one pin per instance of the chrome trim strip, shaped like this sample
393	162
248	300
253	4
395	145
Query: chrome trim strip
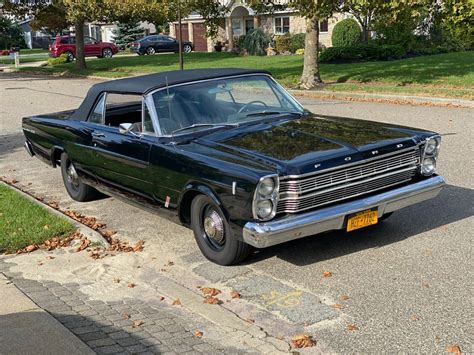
262	235
28	148
286	177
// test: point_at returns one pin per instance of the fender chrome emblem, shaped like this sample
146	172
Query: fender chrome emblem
348	159
399	145
375	152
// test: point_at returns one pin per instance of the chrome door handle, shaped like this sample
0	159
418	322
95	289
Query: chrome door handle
97	135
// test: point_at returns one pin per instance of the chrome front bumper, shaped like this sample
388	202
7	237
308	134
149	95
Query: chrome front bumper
265	234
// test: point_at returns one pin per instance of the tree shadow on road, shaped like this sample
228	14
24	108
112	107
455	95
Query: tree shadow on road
453	204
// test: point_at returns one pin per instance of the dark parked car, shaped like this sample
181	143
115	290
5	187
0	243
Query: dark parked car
159	43
233	156
92	47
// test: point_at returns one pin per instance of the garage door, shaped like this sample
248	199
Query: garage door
200	40
185	33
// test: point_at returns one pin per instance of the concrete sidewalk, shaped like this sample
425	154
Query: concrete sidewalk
27	329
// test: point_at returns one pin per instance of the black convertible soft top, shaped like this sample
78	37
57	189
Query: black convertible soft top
141	85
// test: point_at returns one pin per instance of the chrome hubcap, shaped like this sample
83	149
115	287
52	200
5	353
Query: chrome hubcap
214	227
72	176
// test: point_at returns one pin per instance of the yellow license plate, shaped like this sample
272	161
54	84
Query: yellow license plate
362	219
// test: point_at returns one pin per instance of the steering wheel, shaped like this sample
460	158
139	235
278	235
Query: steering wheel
252	103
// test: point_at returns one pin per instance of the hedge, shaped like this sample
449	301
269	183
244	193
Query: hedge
346	33
362	53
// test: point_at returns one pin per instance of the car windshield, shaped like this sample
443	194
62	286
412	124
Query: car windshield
224	102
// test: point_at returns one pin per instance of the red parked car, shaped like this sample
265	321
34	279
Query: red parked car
92	47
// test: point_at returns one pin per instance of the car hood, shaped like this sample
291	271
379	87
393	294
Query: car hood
291	146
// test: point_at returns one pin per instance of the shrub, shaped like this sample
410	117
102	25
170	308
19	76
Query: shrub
239	42
63	58
361	53
299	51
297	42
346	33
283	43
255	42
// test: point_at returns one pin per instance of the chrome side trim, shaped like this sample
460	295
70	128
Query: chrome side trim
265	234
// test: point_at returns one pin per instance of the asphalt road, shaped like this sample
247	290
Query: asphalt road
406	284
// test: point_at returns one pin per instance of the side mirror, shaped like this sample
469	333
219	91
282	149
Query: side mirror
125	128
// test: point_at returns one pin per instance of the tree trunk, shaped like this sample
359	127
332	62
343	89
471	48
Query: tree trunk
80	59
311	77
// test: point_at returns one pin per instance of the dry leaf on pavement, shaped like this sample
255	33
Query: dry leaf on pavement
352	327
453	349
169	263
235	294
344	298
137	323
302	341
210	291
211	300
162	298
131	285
116	280
337	306
126	316
327	274
198	334
84	244
176	302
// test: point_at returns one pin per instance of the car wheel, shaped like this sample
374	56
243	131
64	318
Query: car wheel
150	51
74	186
107	53
213	235
70	56
187	48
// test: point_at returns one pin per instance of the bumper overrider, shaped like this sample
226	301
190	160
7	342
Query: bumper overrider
265	234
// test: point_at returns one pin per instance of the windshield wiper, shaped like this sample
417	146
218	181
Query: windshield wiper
267	113
195	125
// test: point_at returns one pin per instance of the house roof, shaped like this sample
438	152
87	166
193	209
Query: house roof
141	85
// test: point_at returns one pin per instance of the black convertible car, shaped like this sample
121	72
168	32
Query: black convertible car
233	156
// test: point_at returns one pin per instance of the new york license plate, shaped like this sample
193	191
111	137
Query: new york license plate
362	219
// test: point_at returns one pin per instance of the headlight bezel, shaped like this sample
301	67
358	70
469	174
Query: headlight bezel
272	196
430	155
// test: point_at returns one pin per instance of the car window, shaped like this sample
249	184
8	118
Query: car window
89	40
96	116
167	39
152	39
72	40
123	108
147	121
64	40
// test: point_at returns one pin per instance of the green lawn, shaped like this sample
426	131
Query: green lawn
450	75
23	222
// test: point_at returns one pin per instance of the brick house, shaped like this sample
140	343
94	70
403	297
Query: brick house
240	19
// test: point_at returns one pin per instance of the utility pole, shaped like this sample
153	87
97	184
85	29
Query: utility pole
180	38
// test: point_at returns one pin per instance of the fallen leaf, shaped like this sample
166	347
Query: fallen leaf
176	302
40	263
352	327
84	244
169	263
453	349
235	294
116	280
198	334
337	306
344	298
210	291
327	274
108	233
162	298
137	323
131	285
425	285
126	316
50	257
31	248
415	318
302	341
211	300
251	320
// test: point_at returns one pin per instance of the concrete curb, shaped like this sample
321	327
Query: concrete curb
385	98
89	233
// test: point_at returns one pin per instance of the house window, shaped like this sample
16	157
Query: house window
282	25
237	27
323	26
248	25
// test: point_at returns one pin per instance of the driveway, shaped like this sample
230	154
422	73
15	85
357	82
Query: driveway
403	285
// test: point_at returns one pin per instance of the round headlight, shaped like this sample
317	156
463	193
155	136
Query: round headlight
428	166
266	187
264	208
431	145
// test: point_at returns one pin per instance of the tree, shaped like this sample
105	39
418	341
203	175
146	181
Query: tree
127	32
458	21
364	11
51	18
312	11
10	34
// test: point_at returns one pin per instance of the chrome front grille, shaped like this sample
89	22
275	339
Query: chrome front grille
306	192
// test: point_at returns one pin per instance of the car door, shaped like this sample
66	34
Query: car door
119	160
170	44
91	47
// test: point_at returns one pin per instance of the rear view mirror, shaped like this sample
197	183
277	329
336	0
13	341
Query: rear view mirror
125	128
